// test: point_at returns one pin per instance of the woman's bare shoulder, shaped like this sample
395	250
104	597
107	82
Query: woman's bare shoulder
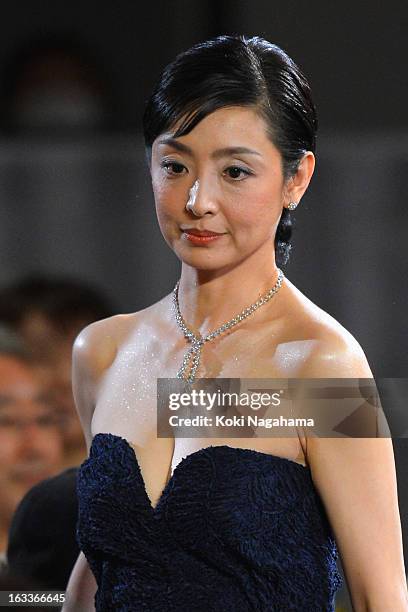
334	352
97	344
94	351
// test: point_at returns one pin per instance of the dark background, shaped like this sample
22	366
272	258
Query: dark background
84	205
353	52
80	203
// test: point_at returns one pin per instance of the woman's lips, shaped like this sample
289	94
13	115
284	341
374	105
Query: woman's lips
201	236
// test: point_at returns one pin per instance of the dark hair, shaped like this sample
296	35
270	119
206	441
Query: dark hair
64	301
238	71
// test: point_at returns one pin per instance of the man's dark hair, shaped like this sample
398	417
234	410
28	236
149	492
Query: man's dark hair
65	302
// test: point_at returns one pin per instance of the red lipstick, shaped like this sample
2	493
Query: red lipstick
201	236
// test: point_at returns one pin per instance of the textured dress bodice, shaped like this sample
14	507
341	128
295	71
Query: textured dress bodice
234	530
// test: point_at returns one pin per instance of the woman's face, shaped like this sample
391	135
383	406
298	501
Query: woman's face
239	188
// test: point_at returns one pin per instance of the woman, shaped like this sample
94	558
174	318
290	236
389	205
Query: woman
241	525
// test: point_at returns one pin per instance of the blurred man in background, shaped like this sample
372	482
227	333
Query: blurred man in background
48	313
31	445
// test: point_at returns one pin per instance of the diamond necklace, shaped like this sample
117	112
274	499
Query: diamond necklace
197	340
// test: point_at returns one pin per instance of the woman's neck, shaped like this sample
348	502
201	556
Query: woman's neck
209	298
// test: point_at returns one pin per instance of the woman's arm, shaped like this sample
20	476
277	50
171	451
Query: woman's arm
93	351
81	588
356	480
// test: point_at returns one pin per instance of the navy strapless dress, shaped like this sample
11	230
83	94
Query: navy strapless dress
235	530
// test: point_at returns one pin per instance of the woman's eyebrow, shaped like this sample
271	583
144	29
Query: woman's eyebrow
172	142
224	152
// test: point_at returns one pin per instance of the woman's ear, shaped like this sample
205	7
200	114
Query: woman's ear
299	182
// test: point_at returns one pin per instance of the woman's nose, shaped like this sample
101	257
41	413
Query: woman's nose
192	194
201	198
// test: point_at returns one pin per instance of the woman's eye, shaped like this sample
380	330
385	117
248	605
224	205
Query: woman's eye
173	167
237	173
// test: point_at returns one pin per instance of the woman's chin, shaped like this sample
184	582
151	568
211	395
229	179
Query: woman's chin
201	264
200	257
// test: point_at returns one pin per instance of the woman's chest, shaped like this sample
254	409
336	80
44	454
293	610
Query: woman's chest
128	400
127	395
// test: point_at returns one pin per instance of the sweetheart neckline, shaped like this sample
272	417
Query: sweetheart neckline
100	435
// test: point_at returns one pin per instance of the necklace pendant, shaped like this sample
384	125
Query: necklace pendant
186	359
193	355
192	358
